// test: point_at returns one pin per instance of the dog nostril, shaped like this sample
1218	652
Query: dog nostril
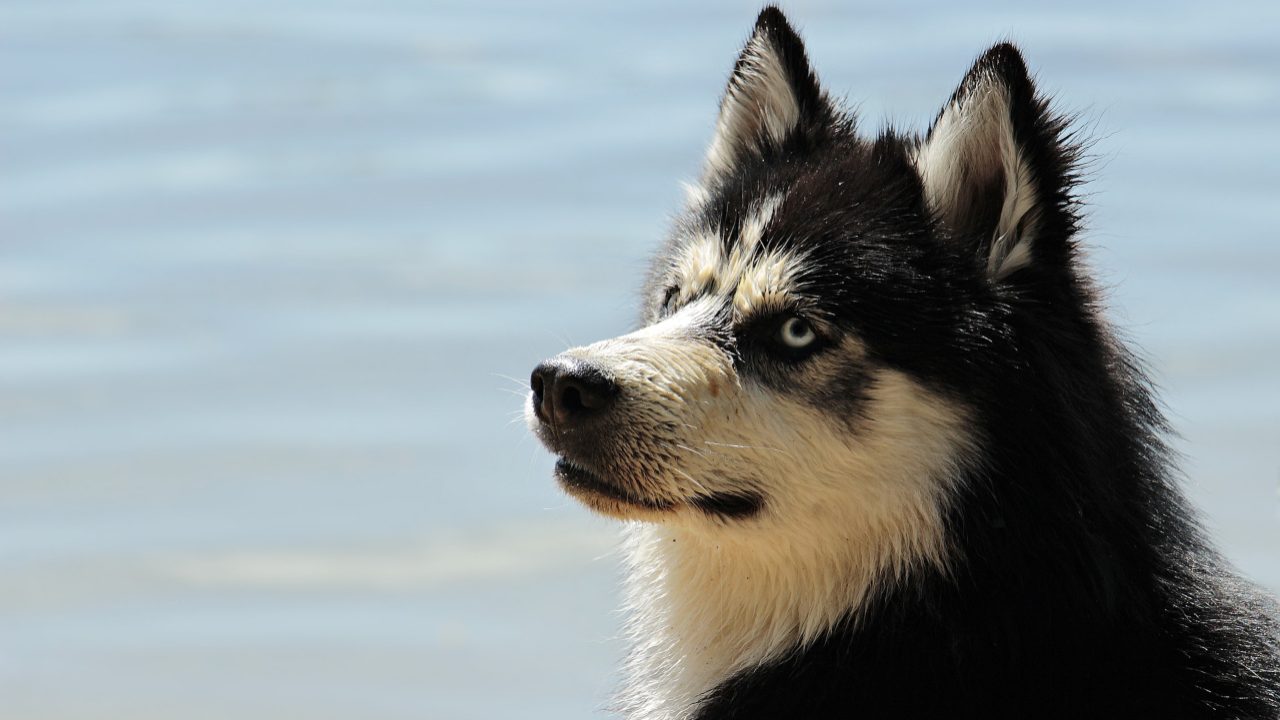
571	400
541	381
583	391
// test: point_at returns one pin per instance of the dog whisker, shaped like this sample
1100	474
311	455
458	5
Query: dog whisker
519	383
740	446
695	452
690	478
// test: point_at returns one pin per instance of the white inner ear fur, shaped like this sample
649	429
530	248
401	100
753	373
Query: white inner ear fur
759	104
971	143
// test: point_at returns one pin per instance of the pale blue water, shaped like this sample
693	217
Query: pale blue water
266	268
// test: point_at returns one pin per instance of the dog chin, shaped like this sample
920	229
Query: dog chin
608	498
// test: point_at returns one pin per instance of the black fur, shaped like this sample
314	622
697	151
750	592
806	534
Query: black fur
1080	584
735	506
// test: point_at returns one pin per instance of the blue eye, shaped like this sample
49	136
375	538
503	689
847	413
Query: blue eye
796	333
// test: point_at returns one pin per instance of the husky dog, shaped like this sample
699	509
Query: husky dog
878	453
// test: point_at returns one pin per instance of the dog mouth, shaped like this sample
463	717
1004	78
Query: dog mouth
610	499
589	487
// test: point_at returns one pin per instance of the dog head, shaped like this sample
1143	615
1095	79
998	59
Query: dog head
822	327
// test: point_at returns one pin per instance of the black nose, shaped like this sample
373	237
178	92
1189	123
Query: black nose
567	391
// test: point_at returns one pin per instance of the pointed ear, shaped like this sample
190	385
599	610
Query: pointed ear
997	167
772	94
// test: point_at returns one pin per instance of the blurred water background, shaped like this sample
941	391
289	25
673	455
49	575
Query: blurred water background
273	274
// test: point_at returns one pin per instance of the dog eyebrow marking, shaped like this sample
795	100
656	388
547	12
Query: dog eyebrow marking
753	227
698	268
767	283
756	277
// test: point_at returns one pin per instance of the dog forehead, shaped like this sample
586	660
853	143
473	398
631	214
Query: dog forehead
737	263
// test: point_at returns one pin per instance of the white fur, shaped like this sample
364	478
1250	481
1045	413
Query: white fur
758	279
707	600
848	504
972	142
753	228
759	103
765	283
694	195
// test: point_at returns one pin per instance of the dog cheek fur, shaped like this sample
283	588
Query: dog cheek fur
844	514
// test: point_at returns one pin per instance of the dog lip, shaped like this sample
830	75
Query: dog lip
577	478
734	506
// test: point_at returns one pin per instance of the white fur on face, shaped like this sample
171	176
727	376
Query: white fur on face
971	143
847	503
844	511
756	279
759	104
670	382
